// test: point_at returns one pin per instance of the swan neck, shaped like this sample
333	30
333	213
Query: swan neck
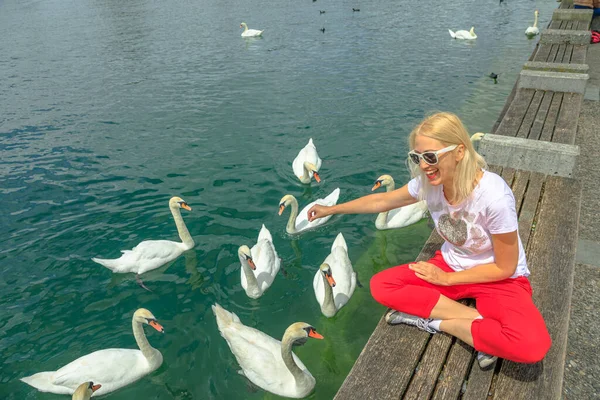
535	21
291	225
288	360
182	229
328	306
382	217
140	338
305	173
250	277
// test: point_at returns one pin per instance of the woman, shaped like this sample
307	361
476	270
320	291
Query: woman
482	256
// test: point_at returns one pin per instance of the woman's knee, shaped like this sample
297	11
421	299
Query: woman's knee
535	348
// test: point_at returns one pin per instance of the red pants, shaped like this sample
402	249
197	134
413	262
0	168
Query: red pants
511	328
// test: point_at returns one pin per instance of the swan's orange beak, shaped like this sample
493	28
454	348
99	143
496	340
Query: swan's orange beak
376	186
185	206
313	334
96	387
317	177
251	263
330	279
281	208
157	326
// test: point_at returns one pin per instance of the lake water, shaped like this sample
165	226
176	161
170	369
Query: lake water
108	108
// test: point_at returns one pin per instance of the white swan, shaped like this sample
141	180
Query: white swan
467	35
267	362
299	222
259	265
533	30
307	163
398	217
151	254
115	368
335	280
250	32
85	391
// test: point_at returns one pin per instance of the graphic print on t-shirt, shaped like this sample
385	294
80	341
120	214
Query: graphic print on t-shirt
454	228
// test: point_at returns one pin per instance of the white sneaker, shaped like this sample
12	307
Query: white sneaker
485	360
394	317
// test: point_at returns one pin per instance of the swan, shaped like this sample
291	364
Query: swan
259	265
335	280
85	391
115	368
398	217
464	34
265	361
533	30
250	32
307	163
151	254
299	223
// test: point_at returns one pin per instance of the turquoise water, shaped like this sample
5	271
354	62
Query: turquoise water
109	108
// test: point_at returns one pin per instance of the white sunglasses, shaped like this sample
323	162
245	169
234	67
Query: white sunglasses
430	157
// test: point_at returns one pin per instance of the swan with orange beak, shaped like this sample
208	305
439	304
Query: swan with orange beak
85	391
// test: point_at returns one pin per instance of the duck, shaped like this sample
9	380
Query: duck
466	35
267	362
533	30
299	222
151	254
260	264
115	368
250	32
307	163
335	280
85	391
398	217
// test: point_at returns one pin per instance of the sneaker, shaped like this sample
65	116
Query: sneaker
394	317
485	360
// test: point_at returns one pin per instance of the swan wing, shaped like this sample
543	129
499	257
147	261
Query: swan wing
339	242
407	215
267	263
151	254
344	275
331	199
115	368
318	287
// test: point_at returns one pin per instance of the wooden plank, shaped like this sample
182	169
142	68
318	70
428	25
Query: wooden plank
423	382
560	53
512	120
569	25
540	117
452	377
478	384
553	51
551	259
555	24
399	364
508	174
566	123
579	54
529	207
548	129
519	186
530	115
495	169
543	52
568	52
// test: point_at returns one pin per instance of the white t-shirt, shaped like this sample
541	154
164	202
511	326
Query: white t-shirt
468	226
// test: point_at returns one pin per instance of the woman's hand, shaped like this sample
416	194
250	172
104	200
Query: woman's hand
318	211
430	273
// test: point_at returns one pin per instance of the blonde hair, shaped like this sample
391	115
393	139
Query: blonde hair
448	129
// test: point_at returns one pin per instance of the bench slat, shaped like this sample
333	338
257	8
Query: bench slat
553	51
531	114
451	380
548	129
529	207
568	52
552	266
560	53
518	188
516	112
566	123
579	54
543	52
424	380
538	124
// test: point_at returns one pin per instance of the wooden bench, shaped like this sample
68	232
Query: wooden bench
404	362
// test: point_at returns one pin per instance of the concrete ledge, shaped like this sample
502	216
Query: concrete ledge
562	14
561	36
556	67
533	155
555	81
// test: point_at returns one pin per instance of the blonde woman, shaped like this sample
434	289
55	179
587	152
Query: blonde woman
482	256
